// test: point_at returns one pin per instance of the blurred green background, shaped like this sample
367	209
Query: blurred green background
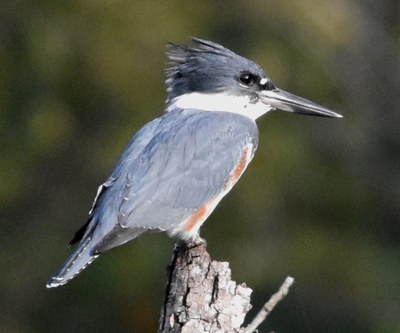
321	200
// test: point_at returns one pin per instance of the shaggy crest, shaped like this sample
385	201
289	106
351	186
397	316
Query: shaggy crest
200	67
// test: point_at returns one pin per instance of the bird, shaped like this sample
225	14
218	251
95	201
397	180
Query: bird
178	167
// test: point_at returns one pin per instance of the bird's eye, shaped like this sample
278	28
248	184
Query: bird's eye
247	78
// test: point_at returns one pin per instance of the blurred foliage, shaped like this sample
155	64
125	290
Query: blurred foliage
319	202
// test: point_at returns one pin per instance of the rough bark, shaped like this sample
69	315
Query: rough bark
201	296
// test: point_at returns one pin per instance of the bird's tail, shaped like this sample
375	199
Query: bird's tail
75	264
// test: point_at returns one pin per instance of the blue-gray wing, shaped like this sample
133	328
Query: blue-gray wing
184	159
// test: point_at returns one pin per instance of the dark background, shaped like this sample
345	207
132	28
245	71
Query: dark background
321	200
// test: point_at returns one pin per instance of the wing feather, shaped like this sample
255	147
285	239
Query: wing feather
183	165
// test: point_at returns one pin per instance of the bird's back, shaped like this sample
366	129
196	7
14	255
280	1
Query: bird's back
186	163
172	167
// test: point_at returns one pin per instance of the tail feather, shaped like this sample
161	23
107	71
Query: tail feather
75	264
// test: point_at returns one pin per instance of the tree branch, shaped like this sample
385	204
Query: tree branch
201	297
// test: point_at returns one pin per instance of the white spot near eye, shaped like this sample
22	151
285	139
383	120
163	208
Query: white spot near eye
263	81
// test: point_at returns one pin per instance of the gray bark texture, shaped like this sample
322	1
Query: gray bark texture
201	296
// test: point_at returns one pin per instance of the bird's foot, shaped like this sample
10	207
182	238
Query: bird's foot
196	241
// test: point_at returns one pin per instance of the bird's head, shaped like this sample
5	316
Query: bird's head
209	77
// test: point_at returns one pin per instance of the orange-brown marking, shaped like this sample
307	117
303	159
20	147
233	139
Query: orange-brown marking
237	172
202	213
197	217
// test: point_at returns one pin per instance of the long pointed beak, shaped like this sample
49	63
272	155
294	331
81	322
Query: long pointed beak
285	101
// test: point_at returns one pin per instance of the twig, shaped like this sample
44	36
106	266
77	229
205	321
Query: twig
270	305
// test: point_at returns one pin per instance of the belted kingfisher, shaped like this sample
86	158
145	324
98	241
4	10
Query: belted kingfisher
178	167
